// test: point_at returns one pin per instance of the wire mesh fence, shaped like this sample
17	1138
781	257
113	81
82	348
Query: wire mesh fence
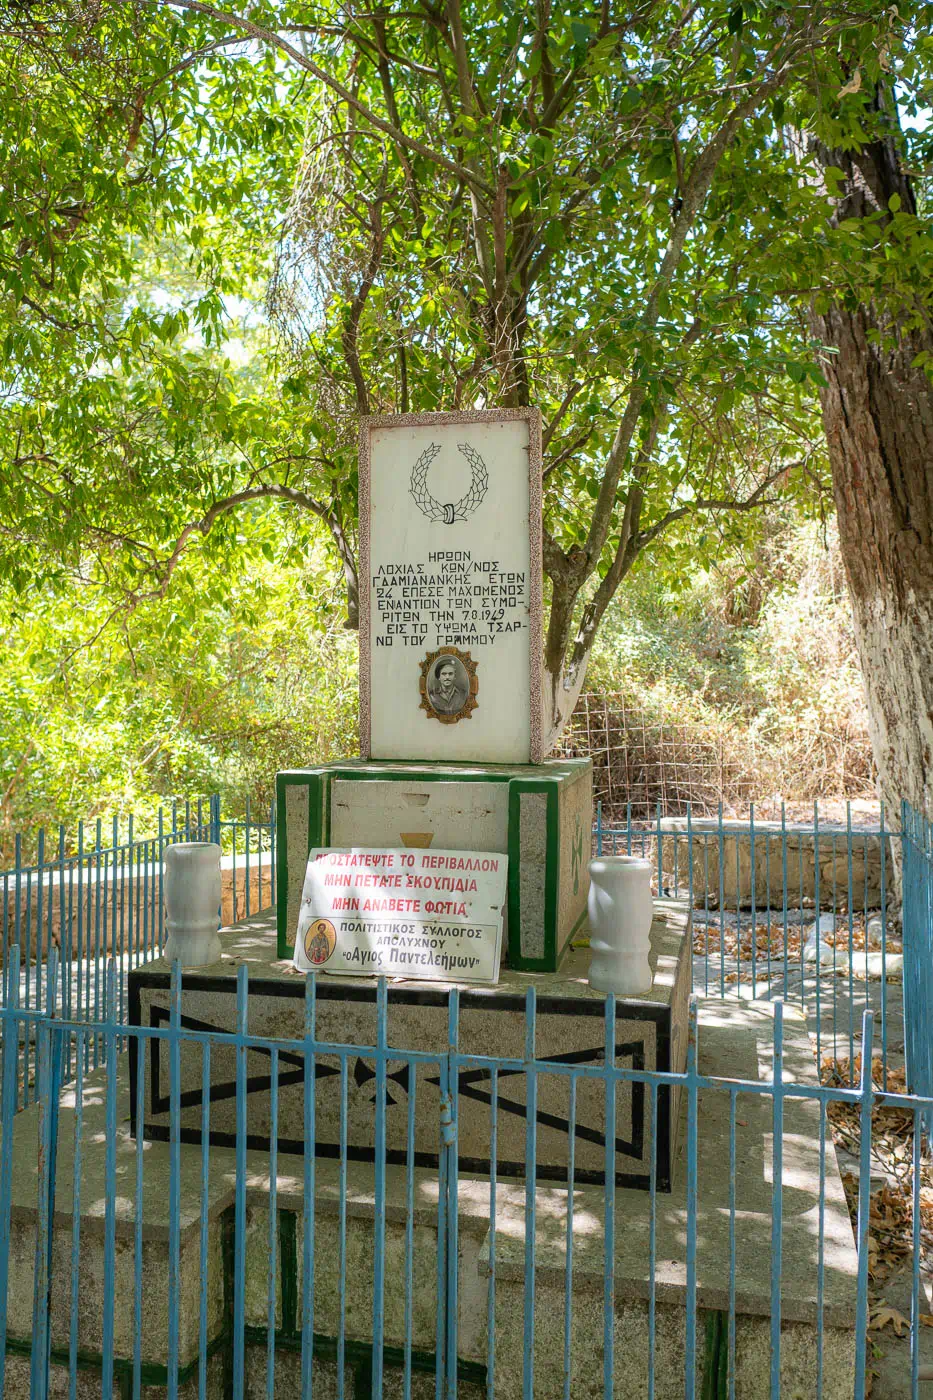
642	761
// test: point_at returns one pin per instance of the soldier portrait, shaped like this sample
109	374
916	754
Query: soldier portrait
448	685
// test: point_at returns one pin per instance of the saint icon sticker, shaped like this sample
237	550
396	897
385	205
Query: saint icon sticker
448	685
320	941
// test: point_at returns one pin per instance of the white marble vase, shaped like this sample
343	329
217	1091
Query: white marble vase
620	913
192	902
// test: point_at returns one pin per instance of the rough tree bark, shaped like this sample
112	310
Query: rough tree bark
878	419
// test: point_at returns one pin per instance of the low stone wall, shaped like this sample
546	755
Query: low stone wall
117	908
733	865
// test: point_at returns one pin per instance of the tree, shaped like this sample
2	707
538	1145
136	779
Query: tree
878	415
472	206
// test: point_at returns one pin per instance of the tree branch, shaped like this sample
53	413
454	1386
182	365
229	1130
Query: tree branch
329	515
268	36
753	502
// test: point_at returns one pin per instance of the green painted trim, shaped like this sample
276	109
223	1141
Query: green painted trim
716	1357
513	901
358	1355
288	1269
228	1270
327	806
281	859
313	779
150	1372
550	789
581	919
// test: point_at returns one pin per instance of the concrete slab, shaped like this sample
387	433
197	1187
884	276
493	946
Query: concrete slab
735	1041
570	1028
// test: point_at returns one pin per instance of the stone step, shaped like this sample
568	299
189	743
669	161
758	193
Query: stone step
734	1039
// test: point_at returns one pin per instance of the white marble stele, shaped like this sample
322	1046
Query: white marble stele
450	546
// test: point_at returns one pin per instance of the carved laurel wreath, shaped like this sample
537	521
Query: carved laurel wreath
459	510
469	704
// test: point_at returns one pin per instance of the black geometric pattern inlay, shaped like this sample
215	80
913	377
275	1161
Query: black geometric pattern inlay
471	1083
226	1089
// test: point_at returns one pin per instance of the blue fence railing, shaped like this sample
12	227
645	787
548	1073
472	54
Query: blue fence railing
399	1211
391	1264
802	910
918	952
96	894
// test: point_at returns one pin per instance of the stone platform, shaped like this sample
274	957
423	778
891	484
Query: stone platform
570	1028
734	1040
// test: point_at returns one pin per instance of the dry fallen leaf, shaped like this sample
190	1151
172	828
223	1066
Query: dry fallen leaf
882	1316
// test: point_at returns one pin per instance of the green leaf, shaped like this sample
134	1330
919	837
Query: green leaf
659	166
554	236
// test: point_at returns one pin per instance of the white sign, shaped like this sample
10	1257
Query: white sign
450	633
433	916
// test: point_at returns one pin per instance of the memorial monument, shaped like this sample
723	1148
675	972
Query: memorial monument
415	1215
450	680
451	780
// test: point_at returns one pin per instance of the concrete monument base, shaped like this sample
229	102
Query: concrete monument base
734	1040
539	815
570	1028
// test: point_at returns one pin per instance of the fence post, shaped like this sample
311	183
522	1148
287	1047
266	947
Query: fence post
174	1176
449	1134
110	1168
48	1092
866	1091
531	1182
10	1026
609	1199
692	1156
239	1209
308	1219
777	1199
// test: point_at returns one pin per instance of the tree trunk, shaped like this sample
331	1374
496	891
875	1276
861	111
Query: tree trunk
878	419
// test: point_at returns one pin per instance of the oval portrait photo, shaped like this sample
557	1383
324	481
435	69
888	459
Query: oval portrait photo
448	685
320	941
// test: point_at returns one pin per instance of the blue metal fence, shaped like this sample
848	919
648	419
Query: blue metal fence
797	909
96	894
918	951
200	1269
296	1297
